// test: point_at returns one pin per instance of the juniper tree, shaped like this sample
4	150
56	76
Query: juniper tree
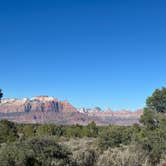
1	95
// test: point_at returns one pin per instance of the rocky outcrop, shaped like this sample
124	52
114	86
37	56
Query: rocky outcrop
36	104
44	109
120	117
110	113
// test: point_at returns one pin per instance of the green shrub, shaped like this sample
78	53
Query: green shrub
35	152
8	131
114	136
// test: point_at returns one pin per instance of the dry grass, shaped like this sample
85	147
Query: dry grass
86	153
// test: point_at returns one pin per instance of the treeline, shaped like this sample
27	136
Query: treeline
142	144
10	131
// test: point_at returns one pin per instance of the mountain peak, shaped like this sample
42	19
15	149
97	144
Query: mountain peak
44	98
45	109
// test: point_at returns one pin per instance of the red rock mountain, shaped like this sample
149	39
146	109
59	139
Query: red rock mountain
39	104
44	109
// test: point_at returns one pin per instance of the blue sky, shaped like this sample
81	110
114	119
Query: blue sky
90	52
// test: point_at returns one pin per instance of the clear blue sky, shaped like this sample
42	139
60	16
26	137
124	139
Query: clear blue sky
107	53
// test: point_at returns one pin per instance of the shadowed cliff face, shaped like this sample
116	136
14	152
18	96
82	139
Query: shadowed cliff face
36	104
44	109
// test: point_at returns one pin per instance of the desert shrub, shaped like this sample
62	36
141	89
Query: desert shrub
74	131
29	130
58	130
123	156
114	136
86	157
162	161
153	142
44	129
84	150
92	129
8	131
35	152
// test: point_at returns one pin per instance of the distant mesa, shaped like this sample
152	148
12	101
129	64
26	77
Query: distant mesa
45	109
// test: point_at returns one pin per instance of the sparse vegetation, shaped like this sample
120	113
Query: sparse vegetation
142	144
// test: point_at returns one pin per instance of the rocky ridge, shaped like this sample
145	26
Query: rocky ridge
44	109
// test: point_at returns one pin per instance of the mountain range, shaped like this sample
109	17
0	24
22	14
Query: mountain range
44	109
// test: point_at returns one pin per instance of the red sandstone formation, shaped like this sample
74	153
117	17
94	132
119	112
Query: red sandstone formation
44	109
36	104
